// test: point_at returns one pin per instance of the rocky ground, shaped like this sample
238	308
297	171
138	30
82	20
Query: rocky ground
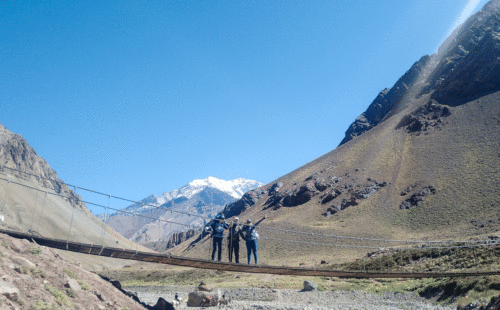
269	299
38	278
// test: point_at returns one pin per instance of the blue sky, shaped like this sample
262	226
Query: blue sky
133	98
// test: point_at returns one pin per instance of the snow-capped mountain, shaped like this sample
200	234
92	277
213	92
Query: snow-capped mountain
234	188
154	214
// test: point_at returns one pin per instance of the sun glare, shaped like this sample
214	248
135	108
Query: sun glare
466	12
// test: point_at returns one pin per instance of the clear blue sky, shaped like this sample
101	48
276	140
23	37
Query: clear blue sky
133	98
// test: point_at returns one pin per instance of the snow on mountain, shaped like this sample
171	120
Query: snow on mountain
234	188
158	217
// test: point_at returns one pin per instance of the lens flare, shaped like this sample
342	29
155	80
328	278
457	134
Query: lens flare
466	12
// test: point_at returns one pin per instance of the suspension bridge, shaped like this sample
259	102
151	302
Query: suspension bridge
404	259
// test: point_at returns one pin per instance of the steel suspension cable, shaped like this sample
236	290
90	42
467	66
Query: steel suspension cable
286	240
208	218
71	223
5	196
34	212
41	212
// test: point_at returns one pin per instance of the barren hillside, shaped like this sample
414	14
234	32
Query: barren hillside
428	168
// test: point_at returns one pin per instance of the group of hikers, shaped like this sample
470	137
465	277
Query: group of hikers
236	233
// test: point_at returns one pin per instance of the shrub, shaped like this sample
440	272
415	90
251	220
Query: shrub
25	270
35	250
5	244
84	285
60	297
39	273
70	293
70	273
41	305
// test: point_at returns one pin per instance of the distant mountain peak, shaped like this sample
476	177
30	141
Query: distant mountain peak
203	197
235	188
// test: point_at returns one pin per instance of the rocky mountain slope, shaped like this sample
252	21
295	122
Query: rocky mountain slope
38	202
422	163
149	221
465	68
34	277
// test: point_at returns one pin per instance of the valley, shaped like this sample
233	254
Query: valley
408	203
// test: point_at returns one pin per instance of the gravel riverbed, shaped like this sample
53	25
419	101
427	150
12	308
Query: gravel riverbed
281	299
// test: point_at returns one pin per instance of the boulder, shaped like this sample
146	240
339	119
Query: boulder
21	261
72	284
203	287
6	278
417	198
203	299
310	286
20	245
9	290
303	195
116	284
162	304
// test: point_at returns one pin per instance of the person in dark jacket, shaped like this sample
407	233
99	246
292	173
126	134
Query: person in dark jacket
217	227
250	235
233	241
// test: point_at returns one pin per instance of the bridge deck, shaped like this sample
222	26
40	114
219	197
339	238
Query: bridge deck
92	249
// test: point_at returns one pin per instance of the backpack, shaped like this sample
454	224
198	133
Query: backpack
251	233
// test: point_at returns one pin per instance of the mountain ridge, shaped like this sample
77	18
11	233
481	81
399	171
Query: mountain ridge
163	219
426	169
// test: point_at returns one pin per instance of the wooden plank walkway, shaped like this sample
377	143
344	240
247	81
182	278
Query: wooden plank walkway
92	249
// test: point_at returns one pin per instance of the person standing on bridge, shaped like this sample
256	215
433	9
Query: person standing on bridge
234	241
250	235
217	227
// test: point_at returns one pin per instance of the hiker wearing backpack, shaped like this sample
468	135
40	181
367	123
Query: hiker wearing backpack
217	227
250	235
233	241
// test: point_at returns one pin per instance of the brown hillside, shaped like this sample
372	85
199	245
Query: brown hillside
430	170
59	213
36	277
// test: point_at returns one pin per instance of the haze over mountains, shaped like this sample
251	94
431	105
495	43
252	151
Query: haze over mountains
203	198
421	163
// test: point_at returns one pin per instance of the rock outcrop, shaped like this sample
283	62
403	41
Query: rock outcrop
469	60
334	193
466	67
175	239
247	201
16	153
420	193
346	194
36	277
386	101
425	118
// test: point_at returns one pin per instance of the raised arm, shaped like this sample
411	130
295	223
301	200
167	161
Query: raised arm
265	216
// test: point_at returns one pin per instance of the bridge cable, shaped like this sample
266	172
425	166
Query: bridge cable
5	196
34	211
71	223
41	213
286	240
204	217
471	244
